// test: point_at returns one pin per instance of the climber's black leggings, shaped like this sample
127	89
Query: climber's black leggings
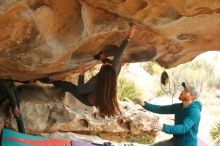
19	120
72	88
69	87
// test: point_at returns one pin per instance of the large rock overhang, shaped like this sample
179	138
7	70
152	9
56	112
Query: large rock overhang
42	37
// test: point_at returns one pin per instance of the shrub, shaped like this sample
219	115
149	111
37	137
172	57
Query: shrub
148	67
127	89
160	93
152	68
215	131
144	138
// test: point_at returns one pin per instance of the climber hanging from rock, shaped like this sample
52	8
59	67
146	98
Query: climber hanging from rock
8	91
101	90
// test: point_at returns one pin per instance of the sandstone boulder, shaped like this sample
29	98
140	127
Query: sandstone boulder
42	37
44	111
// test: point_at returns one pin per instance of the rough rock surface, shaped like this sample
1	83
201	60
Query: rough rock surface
45	112
42	37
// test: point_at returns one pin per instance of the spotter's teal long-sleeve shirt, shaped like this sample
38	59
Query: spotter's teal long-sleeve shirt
187	121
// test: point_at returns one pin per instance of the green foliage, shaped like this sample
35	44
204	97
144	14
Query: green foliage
215	131
127	89
148	67
152	68
160	93
143	138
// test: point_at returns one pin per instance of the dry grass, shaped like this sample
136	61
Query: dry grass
144	138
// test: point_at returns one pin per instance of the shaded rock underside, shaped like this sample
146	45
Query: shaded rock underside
43	37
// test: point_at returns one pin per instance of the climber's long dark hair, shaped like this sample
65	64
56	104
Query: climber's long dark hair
106	91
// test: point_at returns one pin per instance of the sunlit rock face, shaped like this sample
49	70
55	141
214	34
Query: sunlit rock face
42	37
45	110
